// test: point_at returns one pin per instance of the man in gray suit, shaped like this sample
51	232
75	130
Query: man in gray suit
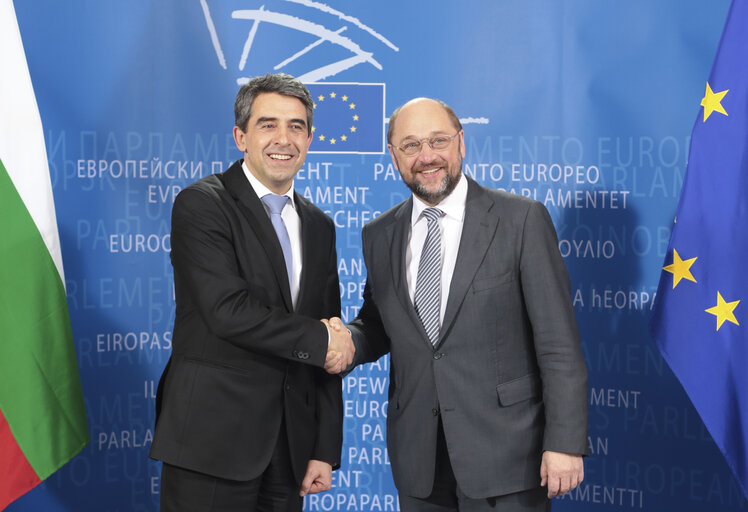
467	291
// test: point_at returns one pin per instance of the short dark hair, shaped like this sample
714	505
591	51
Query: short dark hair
450	113
280	83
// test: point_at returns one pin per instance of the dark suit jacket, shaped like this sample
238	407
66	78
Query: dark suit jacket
507	377
242	358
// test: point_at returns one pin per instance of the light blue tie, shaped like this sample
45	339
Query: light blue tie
276	204
427	299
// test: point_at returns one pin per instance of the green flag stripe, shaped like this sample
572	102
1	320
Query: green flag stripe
41	395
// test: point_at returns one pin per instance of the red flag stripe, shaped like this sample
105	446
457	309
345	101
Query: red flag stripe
17	477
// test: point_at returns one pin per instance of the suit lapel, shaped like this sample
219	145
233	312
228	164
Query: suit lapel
478	231
239	187
307	242
398	233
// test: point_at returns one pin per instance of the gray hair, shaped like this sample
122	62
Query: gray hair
450	113
280	83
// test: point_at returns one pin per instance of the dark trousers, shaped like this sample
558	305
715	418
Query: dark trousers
275	490
446	495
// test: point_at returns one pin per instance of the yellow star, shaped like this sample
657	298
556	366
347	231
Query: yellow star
321	98
352	105
314	128
711	102
355	117
321	137
680	268
332	141
353	128
314	105
332	94
345	98
723	311
343	138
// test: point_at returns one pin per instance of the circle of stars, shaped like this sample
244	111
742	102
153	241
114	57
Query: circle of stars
354	119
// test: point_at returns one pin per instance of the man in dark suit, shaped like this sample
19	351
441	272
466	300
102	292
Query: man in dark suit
467	291
247	418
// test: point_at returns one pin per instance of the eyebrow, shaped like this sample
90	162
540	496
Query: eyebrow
431	135
275	119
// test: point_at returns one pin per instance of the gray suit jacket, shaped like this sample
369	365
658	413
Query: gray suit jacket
507	377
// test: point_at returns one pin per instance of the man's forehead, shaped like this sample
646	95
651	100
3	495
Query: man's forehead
273	104
422	118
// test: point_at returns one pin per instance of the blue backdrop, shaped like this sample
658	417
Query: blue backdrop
585	105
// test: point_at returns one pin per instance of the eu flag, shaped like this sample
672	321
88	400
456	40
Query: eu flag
701	313
348	118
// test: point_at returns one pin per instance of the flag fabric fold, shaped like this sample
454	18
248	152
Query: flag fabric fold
42	415
700	318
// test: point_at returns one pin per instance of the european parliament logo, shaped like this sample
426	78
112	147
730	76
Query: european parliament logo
245	34
348	118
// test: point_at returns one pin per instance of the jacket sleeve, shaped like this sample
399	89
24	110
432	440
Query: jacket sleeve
368	331
329	442
547	293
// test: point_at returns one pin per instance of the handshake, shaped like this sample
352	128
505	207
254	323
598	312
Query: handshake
340	350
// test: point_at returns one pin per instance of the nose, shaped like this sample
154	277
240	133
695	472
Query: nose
427	154
281	135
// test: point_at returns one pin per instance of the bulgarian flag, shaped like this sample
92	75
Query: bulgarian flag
42	417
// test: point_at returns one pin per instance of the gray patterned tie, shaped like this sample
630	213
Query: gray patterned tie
428	282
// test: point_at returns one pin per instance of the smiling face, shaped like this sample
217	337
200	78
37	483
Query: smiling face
431	175
275	140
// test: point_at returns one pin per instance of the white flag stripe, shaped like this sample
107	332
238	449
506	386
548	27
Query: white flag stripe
22	148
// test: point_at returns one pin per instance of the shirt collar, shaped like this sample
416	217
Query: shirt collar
261	190
453	205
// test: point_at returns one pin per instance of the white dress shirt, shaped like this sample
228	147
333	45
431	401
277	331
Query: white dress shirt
293	226
450	224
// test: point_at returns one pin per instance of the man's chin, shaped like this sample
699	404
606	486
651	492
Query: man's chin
434	195
430	196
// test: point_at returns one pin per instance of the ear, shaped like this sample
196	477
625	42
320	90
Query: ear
309	142
462	143
240	139
394	158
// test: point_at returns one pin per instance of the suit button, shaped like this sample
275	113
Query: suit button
288	387
438	355
435	411
295	353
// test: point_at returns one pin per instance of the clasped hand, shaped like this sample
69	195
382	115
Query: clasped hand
341	349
